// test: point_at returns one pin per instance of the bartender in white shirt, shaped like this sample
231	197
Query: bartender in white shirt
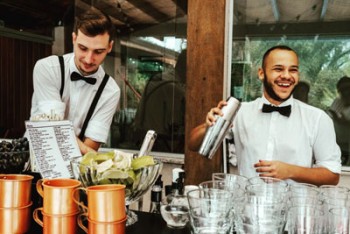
279	136
77	87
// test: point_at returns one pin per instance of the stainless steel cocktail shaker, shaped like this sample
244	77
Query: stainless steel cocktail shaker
147	143
216	133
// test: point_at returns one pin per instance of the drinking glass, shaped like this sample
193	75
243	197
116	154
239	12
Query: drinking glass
303	193
227	185
260	214
306	219
303	189
338	220
230	179
210	211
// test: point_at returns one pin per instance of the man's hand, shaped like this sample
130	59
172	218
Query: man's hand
275	169
210	118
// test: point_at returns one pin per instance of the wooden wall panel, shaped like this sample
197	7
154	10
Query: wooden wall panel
17	59
204	86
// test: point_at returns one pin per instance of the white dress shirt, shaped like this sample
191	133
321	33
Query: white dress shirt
306	138
77	97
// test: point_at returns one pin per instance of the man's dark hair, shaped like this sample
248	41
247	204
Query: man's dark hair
94	22
180	67
277	47
343	83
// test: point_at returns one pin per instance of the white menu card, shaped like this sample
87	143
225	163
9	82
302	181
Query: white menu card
53	144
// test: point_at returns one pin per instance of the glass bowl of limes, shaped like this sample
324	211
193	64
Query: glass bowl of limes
138	174
14	156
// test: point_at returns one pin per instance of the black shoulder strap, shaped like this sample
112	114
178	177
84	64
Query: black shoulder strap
93	106
60	58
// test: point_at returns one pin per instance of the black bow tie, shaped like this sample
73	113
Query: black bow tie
283	110
76	76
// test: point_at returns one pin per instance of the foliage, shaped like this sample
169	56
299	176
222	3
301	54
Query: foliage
322	64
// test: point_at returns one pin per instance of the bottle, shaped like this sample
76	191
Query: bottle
180	183
215	134
156	195
177	197
174	185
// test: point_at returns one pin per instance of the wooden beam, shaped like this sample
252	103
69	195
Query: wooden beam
339	28
181	4
150	10
204	85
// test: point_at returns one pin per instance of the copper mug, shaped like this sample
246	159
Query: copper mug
15	190
56	224
106	203
58	195
102	227
15	219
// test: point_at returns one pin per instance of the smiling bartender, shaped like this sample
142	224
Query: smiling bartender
277	135
83	93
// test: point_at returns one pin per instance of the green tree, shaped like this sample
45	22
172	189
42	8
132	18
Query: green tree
322	63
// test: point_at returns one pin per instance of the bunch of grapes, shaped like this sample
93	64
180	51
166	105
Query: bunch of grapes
13	155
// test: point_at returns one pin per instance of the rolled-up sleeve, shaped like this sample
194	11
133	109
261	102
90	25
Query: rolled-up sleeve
99	125
326	151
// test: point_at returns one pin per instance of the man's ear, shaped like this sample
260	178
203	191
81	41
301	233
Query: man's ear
110	46
261	74
74	37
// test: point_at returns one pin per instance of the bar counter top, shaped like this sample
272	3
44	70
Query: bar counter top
148	223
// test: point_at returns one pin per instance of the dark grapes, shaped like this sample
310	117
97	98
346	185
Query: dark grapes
13	155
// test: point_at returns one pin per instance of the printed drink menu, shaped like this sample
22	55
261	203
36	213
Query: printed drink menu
53	144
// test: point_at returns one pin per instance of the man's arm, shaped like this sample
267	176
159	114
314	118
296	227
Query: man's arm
196	137
317	176
88	145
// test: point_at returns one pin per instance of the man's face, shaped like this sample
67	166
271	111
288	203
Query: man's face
90	51
280	75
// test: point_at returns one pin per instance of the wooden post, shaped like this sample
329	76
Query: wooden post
205	74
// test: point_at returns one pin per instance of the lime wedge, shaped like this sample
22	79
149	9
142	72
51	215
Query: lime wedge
142	161
114	174
132	176
100	157
88	157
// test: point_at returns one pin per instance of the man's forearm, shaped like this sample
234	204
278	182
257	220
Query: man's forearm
317	176
88	145
196	137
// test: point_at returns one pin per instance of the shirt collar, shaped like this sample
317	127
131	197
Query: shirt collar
289	101
99	74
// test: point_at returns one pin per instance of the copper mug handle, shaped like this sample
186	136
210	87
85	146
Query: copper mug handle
36	216
80	222
80	203
39	187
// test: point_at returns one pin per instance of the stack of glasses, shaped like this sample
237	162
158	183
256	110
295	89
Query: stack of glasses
210	210
263	205
59	211
15	203
105	210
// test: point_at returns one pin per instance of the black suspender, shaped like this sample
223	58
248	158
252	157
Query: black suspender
94	101
93	106
60	58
